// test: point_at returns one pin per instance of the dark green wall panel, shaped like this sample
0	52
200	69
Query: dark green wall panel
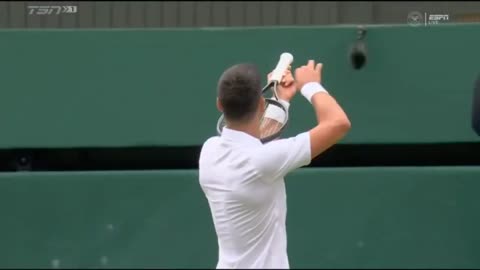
131	219
384	218
150	87
337	218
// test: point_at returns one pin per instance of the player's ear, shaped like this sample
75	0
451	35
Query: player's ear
219	106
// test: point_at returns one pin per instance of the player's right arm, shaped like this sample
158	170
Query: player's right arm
332	122
278	158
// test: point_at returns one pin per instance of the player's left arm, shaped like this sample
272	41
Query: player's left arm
287	88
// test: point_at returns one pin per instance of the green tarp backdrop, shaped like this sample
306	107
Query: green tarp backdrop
106	88
66	88
339	218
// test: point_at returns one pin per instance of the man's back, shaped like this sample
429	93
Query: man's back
247	199
243	178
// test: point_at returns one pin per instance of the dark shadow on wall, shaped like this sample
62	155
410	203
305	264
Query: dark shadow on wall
159	158
476	107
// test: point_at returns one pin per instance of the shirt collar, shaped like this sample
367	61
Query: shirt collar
239	136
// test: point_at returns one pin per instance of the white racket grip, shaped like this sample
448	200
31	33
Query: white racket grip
286	60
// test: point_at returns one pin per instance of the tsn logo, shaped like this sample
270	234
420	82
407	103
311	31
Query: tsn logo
49	10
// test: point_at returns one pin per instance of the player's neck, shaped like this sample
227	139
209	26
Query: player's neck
252	129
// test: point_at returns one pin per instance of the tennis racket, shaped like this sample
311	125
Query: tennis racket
275	115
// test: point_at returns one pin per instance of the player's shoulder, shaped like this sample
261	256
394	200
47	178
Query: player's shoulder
210	142
209	146
268	157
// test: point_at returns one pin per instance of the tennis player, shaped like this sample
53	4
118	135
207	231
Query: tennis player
243	179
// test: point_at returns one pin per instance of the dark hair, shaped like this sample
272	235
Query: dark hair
239	90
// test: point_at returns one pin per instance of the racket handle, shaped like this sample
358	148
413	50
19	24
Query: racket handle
286	60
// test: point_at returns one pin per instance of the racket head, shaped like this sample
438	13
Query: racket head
274	119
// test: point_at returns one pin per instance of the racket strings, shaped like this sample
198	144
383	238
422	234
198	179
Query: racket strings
271	126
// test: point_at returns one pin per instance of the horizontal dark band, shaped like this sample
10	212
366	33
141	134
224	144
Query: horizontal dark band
157	158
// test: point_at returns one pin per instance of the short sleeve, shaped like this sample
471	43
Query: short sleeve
277	158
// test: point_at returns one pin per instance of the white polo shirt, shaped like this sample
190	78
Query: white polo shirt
243	181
